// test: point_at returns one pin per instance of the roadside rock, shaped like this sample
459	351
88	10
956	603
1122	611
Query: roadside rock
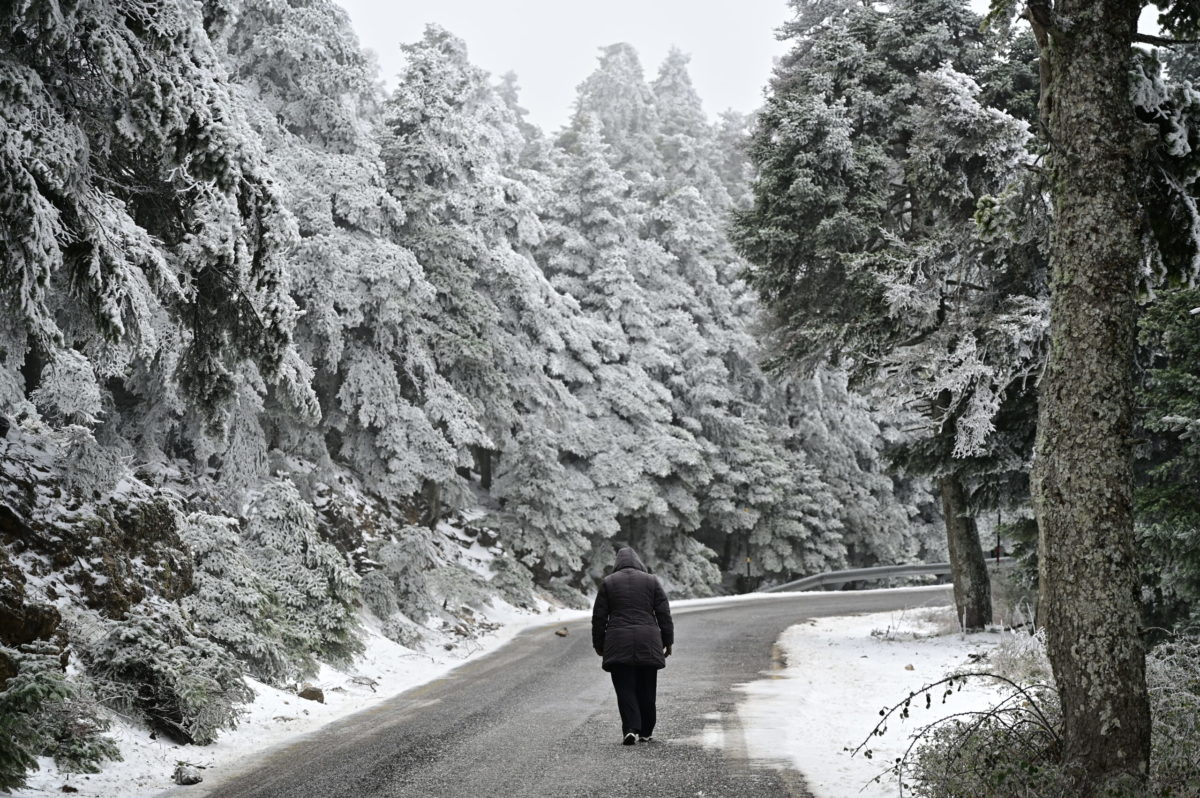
312	693
187	774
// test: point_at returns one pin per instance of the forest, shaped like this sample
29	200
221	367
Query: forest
279	344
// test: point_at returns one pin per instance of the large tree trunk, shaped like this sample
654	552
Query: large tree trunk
1083	468
972	586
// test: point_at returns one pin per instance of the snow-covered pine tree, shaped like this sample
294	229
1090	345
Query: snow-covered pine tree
235	605
733	156
646	466
870	171
309	581
367	323
764	500
617	97
883	520
143	240
452	148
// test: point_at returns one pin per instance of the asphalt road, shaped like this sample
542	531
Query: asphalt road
537	718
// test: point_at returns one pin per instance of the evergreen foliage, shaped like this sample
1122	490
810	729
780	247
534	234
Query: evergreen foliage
885	518
896	232
187	686
1168	514
862	234
237	605
414	579
144	238
42	713
309	580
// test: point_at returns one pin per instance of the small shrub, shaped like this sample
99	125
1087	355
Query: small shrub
1006	752
187	686
88	468
403	631
1022	658
457	587
1013	751
512	580
379	594
404	582
415	581
565	594
234	604
1173	679
310	582
44	714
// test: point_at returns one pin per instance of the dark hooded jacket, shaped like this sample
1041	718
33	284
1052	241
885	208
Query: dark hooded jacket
631	620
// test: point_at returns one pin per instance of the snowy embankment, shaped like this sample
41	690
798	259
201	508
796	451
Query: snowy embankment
278	716
838	674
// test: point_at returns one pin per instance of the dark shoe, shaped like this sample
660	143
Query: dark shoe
630	739
642	739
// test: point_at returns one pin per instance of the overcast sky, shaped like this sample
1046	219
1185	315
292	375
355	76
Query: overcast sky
552	45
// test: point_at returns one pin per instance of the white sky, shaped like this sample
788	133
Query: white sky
552	45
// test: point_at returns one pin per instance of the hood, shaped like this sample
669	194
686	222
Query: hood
627	558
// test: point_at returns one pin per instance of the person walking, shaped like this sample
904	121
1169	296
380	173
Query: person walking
632	630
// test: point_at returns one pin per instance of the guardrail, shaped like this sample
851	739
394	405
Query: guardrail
837	579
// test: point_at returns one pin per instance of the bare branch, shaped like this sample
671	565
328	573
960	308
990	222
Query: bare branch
1162	41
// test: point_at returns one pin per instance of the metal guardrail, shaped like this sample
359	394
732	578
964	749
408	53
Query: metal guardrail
837	579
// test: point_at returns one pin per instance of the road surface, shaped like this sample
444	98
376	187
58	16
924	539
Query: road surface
537	719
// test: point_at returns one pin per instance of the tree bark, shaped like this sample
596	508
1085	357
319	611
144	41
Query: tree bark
431	492
972	585
1082	476
483	464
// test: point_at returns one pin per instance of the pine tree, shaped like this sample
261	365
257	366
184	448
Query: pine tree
870	171
885	518
142	232
367	327
453	152
618	99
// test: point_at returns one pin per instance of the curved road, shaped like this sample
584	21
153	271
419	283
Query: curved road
537	719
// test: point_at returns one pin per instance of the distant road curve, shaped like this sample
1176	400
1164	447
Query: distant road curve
536	719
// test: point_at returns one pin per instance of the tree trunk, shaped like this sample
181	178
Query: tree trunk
972	586
483	464
1083	472
431	492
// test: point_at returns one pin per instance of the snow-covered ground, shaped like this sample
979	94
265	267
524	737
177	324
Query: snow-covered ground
839	674
277	716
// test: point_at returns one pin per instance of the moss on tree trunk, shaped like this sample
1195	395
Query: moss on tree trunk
1083	468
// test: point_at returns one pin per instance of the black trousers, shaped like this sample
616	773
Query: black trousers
635	686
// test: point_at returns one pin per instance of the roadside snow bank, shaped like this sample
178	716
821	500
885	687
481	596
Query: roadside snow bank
839	674
277	716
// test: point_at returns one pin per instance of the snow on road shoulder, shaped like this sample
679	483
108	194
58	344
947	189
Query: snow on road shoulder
839	674
277	717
